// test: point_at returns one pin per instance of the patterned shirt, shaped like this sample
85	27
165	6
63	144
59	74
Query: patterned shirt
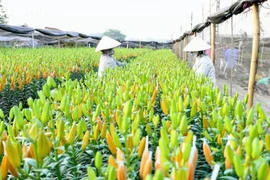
204	66
107	62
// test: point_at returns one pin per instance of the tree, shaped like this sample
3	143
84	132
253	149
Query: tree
115	34
3	15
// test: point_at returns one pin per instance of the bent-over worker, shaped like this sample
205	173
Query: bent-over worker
203	64
106	46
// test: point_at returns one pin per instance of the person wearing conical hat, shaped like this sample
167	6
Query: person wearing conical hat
106	45
203	64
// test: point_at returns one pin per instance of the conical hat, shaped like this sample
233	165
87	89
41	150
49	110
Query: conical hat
107	43
197	44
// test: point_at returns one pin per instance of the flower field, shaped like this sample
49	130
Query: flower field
24	71
20	66
152	119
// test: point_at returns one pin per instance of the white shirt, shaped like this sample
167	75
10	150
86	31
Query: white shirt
105	62
204	66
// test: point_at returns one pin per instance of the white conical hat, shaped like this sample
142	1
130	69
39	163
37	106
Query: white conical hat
107	43
197	44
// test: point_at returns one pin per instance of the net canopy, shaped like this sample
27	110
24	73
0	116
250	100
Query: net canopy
50	36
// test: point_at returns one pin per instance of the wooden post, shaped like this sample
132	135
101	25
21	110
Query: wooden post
186	53
76	42
191	19
33	45
59	43
210	9
231	56
255	51
177	49
183	45
202	20
180	50
213	44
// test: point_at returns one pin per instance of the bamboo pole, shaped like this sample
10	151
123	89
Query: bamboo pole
184	45
76	42
210	9
33	40
255	51
59	43
180	50
177	49
202	20
185	54
213	43
232	48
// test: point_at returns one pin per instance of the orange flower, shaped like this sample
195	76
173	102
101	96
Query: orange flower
148	166
112	162
13	170
228	165
4	167
207	153
121	171
111	144
144	158
205	123
26	151
31	151
158	164
141	147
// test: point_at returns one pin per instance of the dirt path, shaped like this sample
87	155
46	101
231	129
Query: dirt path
263	99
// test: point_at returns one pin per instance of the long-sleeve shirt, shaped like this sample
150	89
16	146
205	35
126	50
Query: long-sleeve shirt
231	56
107	62
204	66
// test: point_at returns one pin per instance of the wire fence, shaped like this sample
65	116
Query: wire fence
233	51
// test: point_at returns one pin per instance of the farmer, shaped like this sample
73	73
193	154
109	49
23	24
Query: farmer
203	64
231	58
263	85
106	46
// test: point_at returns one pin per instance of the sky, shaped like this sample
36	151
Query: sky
141	19
138	19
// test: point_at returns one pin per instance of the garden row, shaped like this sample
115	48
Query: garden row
23	72
152	119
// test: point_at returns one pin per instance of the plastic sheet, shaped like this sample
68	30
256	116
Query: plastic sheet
16	29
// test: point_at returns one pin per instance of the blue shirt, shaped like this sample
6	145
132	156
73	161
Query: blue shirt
231	56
